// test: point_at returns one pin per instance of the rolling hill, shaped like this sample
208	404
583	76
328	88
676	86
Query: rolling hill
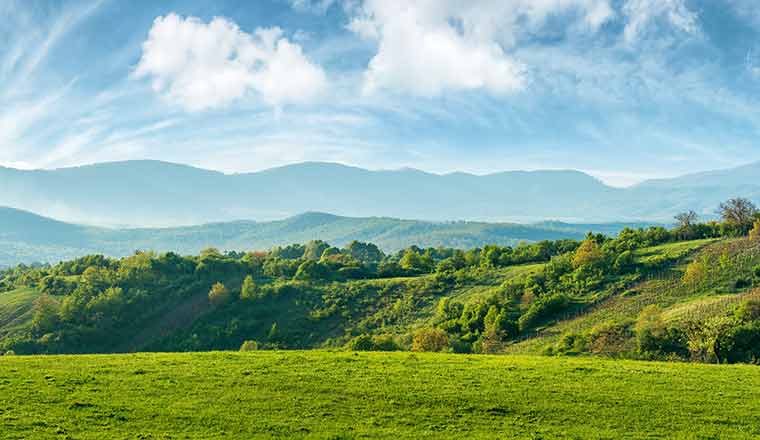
28	238
152	193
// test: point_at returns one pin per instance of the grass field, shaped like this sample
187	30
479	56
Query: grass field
396	395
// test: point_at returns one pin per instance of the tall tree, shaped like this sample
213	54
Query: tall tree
738	214
686	219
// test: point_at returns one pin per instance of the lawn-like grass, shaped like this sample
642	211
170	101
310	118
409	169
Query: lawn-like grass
371	395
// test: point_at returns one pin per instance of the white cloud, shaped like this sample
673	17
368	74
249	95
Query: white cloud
313	6
202	66
431	46
642	15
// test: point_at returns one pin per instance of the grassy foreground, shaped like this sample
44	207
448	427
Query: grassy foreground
371	395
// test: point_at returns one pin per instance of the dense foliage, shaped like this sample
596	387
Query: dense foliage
317	295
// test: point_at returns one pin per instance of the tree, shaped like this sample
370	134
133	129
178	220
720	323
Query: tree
589	253
45	318
738	215
249	290
430	339
310	270
218	294
314	250
367	253
686	225
686	219
414	262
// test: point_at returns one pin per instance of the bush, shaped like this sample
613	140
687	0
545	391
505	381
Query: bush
569	344
756	271
749	310
610	338
249	346
542	309
742	283
741	344
655	339
385	343
361	343
430	339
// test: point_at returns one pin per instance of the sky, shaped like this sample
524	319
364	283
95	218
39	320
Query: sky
625	90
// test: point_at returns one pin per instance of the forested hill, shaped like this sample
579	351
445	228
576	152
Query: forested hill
688	293
28	238
151	193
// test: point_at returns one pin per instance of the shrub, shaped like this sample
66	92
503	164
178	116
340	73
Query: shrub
218	294
695	274
625	262
749	310
742	283
655	339
430	339
249	346
361	343
704	337
741	344
569	344
756	271
754	234
610	338
385	343
542	309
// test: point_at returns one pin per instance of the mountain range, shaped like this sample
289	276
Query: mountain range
161	194
29	238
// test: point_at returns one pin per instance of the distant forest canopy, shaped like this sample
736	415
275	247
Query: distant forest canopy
159	194
28	238
317	295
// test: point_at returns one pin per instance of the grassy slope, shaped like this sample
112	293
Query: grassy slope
345	395
15	310
665	290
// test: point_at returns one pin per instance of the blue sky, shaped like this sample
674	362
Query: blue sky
623	89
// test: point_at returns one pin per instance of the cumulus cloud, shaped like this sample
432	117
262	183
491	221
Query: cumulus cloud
643	15
202	66
429	46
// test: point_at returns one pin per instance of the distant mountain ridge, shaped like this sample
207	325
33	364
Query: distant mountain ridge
153	193
28	238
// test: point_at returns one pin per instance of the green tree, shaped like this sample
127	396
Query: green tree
738	215
249	290
588	254
314	250
218	294
367	253
45	318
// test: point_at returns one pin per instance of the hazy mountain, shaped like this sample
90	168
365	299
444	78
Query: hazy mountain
27	238
151	193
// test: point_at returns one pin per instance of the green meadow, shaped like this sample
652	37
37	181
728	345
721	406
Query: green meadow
345	395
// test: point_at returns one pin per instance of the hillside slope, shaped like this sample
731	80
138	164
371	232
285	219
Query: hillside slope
28	238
